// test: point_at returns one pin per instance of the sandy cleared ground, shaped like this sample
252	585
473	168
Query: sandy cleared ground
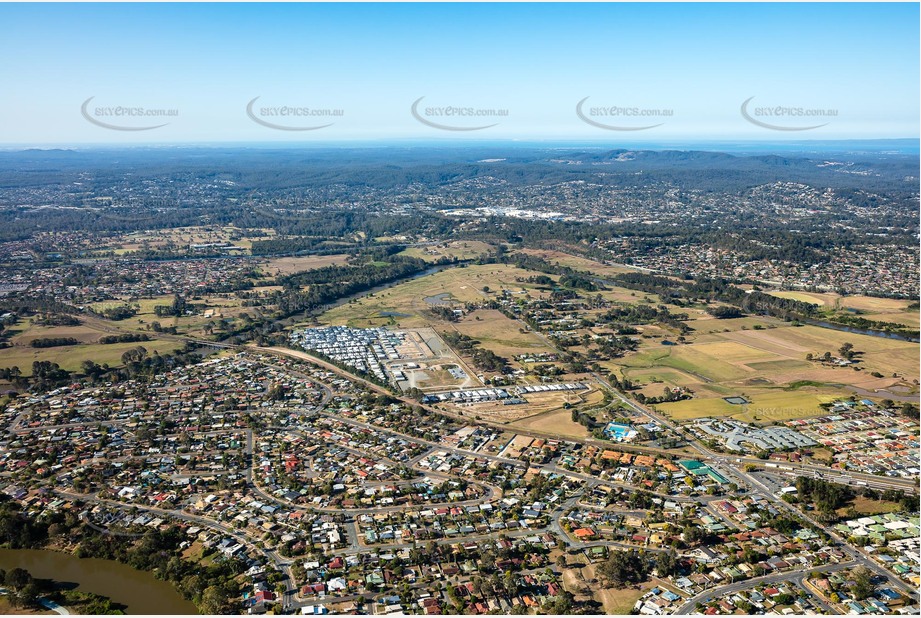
559	423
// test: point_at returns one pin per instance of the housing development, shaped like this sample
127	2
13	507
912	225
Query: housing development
501	428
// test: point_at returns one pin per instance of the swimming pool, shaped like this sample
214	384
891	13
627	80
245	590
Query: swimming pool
619	432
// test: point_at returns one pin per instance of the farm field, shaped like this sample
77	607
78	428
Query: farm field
768	368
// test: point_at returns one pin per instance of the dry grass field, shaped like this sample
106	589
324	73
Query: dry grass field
460	249
539	405
497	332
883	309
558	423
22	355
408	304
290	265
581	582
768	368
185	236
578	263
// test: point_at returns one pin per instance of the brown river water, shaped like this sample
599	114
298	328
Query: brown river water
140	591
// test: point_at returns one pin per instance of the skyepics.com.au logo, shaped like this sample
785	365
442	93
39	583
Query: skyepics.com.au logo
280	117
125	117
618	118
455	118
784	117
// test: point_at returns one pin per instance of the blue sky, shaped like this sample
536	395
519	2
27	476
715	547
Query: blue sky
693	65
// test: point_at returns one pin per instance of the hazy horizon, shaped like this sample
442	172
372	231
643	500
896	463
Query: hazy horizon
241	73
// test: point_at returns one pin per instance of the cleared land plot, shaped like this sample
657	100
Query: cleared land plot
460	249
557	423
829	300
408	300
765	405
289	265
537	404
578	263
497	332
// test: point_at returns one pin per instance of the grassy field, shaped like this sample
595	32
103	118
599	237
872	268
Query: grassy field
184	236
768	368
22	355
866	506
409	299
462	250
614	601
578	263
70	357
558	423
217	308
824	300
496	332
289	265
766	404
883	309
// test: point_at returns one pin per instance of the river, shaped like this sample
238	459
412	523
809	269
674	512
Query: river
860	331
139	591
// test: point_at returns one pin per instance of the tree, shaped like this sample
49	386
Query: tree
17	579
863	583
622	568
846	350
213	601
666	564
